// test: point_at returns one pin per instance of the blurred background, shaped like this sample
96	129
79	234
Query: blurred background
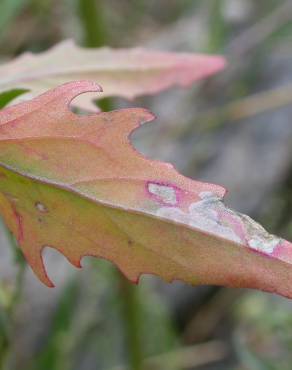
234	130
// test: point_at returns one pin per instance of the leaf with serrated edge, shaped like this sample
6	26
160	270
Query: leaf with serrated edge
121	72
76	184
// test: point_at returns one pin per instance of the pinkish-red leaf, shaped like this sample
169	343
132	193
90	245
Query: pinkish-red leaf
121	72
77	185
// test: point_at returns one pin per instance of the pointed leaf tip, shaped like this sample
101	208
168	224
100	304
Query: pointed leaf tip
127	73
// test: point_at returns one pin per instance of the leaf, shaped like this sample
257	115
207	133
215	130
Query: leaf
121	72
7	96
75	183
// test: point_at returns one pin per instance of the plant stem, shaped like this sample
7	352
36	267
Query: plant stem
5	339
256	35
237	110
95	35
90	13
131	311
217	27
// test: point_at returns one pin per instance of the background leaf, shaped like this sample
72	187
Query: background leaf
121	72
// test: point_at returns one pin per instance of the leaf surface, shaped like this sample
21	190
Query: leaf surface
76	184
121	72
